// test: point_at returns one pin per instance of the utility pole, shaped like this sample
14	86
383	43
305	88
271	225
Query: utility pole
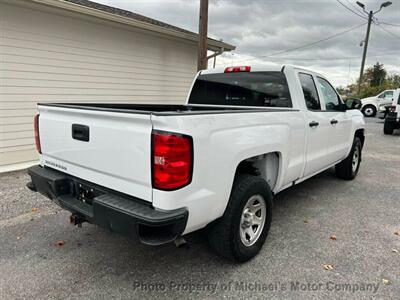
370	19
202	60
370	16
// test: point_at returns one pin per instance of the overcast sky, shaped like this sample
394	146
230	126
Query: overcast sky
264	27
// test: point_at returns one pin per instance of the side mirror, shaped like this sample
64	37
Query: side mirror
353	104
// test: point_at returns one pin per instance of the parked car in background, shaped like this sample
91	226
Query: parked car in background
392	120
157	172
370	105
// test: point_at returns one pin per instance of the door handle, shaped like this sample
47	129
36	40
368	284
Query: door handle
333	121
313	124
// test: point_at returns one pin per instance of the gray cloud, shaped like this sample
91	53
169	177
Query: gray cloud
262	27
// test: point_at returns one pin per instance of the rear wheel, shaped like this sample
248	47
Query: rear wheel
348	168
369	111
241	232
388	127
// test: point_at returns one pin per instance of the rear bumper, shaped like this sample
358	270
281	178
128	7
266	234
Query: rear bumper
117	212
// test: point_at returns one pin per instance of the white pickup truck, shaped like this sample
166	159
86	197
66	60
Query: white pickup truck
372	105
158	172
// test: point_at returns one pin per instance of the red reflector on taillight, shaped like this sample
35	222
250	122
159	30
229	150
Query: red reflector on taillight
238	69
172	160
37	136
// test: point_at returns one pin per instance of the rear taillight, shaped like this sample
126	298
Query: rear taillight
238	69
172	160
392	108
37	136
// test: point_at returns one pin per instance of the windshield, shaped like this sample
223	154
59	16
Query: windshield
268	89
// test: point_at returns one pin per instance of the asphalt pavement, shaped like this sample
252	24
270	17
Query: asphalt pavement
329	239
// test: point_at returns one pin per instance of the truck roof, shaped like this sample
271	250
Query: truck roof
265	67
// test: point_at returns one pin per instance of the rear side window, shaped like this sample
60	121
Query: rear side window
268	89
310	91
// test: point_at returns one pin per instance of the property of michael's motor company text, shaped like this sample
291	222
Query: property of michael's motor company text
240	286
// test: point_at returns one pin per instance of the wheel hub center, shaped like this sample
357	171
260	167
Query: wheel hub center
248	219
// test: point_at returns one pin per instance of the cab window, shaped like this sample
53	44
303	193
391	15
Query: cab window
268	89
387	94
309	91
331	98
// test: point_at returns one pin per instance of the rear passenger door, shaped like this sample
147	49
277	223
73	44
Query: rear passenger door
339	120
319	129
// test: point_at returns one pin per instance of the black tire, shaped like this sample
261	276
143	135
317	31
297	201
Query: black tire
224	235
388	127
345	169
366	111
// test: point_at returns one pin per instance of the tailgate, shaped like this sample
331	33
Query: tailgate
110	149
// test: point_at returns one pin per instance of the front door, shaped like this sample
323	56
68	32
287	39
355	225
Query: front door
339	120
319	129
386	97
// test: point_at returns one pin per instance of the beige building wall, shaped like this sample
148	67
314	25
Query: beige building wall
51	55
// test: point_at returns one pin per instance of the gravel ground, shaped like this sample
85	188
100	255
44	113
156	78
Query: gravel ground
96	264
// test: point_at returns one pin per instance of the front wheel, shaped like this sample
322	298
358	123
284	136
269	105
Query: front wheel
348	168
241	232
369	111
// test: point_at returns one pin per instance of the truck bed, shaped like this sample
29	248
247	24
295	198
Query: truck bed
110	144
162	109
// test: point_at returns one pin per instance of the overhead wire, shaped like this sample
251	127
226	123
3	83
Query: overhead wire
308	44
354	12
387	31
337	58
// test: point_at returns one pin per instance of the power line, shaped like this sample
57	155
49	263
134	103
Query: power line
389	24
354	12
357	8
332	58
385	23
387	31
337	58
308	44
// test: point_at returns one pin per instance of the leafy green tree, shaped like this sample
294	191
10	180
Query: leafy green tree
394	80
375	81
375	75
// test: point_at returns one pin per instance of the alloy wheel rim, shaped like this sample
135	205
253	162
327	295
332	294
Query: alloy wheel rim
252	220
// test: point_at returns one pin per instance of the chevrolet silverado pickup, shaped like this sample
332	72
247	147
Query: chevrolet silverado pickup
158	172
